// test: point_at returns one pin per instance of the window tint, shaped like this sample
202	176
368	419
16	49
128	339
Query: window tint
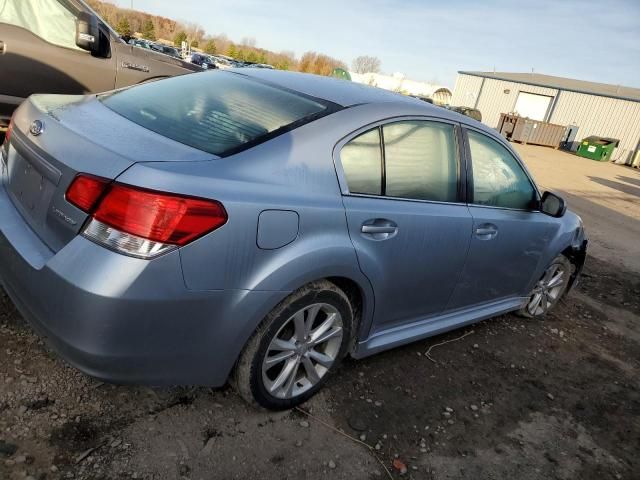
48	19
498	179
218	112
362	163
420	161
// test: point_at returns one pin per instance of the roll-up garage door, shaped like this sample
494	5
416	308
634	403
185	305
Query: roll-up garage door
532	106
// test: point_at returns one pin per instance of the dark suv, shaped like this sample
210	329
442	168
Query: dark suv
202	60
62	46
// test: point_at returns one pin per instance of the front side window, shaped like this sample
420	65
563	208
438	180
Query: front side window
421	161
498	178
217	112
50	20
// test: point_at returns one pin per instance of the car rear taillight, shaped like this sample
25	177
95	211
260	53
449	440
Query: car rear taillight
145	223
85	191
7	137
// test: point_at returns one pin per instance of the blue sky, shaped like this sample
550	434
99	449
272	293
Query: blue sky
432	40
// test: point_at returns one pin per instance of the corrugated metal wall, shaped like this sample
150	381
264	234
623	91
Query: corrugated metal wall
593	114
602	116
466	91
494	100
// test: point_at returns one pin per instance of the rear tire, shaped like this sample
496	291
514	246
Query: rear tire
549	290
296	347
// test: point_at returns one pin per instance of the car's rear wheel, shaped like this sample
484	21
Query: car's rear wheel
298	345
549	289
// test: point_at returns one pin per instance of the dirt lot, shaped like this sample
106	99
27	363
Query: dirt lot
558	398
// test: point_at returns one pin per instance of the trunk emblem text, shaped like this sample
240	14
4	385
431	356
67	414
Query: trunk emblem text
63	216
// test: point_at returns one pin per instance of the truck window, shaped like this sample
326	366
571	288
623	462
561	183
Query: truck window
51	20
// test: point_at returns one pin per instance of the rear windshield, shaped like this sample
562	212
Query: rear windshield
218	112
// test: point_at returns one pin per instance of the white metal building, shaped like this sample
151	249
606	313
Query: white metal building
398	82
587	108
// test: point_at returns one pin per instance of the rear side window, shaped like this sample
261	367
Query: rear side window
218	112
421	161
413	159
362	163
498	178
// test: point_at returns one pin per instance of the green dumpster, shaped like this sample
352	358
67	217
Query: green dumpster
597	148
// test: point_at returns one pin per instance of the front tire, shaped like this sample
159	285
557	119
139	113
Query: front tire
297	346
549	290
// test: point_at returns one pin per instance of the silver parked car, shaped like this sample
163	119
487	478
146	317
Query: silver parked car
263	225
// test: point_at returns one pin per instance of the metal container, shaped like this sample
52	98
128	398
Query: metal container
636	159
597	148
538	133
525	130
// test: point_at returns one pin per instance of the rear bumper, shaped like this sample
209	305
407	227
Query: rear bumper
122	319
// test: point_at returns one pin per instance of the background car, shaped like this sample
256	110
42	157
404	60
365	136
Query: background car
264	226
171	51
137	42
202	60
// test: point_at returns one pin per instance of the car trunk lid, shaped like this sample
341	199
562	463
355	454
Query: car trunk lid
77	135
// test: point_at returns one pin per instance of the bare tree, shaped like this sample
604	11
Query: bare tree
248	42
366	64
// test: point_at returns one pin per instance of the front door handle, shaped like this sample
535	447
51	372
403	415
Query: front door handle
486	231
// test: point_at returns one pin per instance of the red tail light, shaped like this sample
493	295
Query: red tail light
85	191
160	217
7	135
139	222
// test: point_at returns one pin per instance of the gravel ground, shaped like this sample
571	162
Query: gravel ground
505	398
558	398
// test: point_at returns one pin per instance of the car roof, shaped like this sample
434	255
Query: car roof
341	92
348	94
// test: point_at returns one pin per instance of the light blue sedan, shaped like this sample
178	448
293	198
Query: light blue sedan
261	225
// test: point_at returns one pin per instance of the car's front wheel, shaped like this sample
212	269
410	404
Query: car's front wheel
549	289
301	342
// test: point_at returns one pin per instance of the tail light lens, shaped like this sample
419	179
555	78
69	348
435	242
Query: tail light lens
7	137
143	223
85	191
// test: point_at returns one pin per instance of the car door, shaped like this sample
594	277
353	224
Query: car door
39	54
410	228
510	235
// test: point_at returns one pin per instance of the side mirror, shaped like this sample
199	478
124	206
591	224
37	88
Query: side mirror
552	205
87	32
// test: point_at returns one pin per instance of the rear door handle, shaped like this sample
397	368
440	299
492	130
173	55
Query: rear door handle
378	229
486	231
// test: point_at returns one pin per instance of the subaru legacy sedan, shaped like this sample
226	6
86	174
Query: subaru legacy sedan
258	226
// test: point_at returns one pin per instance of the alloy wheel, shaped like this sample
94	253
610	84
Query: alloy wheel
548	290
302	351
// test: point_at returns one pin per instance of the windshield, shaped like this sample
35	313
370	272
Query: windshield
218	112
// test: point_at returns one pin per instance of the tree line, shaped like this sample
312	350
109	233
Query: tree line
153	27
